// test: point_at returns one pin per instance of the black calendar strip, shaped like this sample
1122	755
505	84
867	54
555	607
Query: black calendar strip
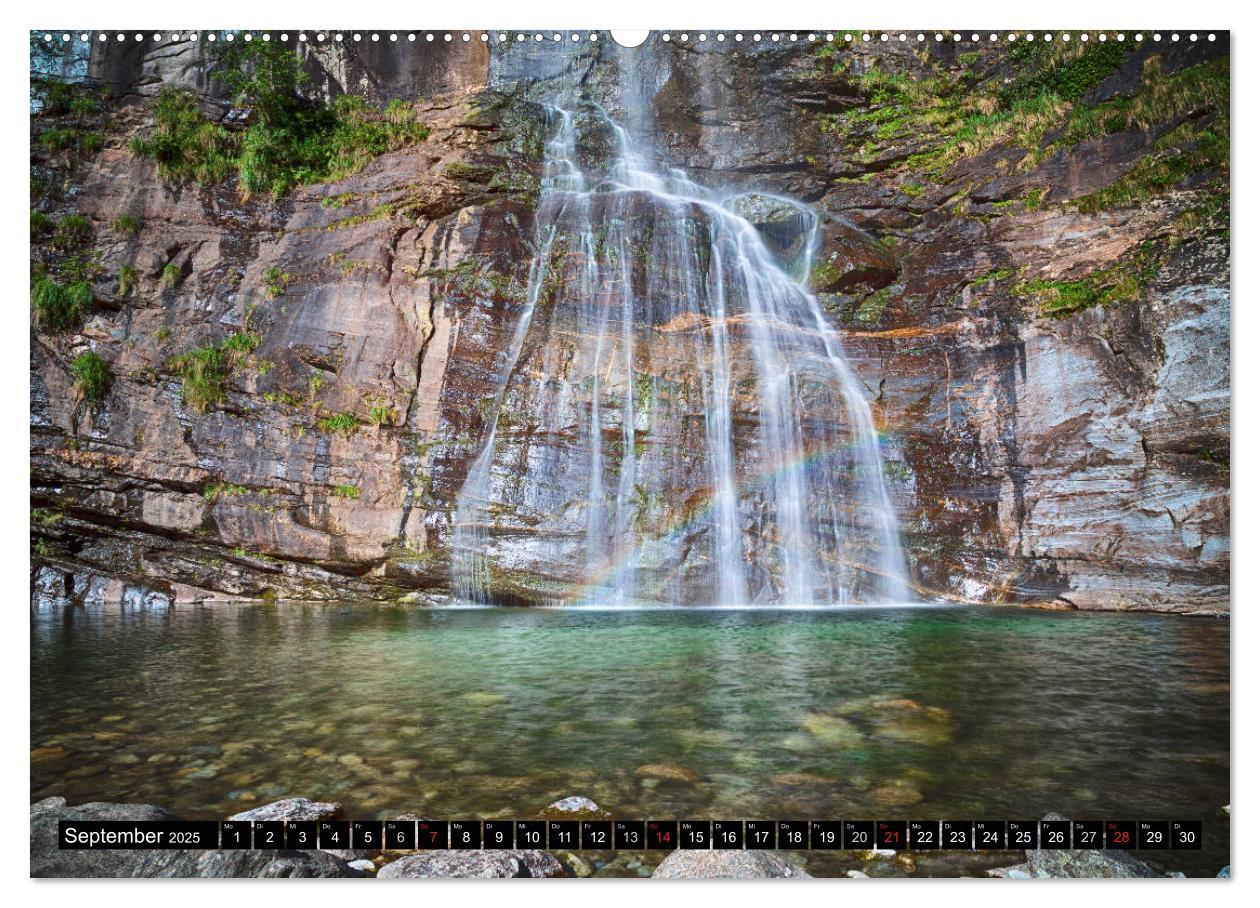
638	835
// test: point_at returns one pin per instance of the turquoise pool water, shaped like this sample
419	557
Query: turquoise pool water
897	713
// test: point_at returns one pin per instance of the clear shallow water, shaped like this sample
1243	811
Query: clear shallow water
969	712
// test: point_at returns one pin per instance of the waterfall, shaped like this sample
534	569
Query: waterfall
673	420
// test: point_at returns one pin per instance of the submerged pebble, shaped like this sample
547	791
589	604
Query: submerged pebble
833	731
667	771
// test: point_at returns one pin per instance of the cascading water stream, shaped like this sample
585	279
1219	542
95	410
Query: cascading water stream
657	314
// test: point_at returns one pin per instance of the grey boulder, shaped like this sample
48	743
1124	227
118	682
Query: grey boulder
726	865
484	865
1075	864
48	860
295	809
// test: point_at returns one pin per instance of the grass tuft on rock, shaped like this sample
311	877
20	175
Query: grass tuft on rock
217	490
92	377
126	281
339	423
41	224
185	145
204	371
126	224
59	306
381	415
57	139
468	172
276	281
73	230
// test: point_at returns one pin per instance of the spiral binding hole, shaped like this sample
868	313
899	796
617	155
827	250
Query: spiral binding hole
1065	37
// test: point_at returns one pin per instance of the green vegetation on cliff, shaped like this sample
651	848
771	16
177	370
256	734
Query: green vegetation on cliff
1194	151
126	281
217	490
1045	70
468	172
56	98
276	281
290	141
1196	91
41	224
1159	173
126	224
942	116
62	270
203	371
59	306
92	377
338	423
76	109
186	146
171	276
1033	96
73	230
1124	281
58	139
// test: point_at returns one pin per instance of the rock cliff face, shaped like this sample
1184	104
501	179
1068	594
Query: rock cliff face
1024	251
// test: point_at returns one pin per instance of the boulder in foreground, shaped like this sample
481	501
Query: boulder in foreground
726	865
1075	864
47	860
291	809
484	865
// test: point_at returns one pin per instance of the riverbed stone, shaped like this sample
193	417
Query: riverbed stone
1076	864
574	807
297	809
906	720
800	778
671	772
472	865
726	865
305	809
833	731
574	804
483	698
578	865
899	793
